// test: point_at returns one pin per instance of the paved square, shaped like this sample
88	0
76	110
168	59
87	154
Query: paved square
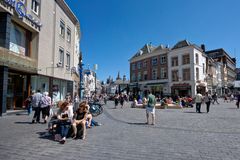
178	134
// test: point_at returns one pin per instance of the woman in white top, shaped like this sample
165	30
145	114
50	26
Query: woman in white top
65	117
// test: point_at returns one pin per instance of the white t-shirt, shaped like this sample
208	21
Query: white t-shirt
198	98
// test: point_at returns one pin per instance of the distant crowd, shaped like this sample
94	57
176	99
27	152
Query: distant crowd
71	118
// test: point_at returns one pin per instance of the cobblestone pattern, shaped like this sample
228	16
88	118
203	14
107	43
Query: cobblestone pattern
177	135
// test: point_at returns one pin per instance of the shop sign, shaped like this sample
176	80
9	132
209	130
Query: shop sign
20	9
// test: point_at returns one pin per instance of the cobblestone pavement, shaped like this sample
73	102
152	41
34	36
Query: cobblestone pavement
178	134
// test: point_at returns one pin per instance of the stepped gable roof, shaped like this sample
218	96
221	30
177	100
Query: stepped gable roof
147	48
181	44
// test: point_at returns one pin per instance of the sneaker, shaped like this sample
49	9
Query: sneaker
63	140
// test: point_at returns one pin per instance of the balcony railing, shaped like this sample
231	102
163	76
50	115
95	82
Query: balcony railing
17	61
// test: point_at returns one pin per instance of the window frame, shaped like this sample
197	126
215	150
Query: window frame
154	61
62	29
174	61
186	60
139	76
175	76
145	64
68	60
185	76
61	57
154	73
35	7
163	59
163	73
197	73
197	59
139	65
69	36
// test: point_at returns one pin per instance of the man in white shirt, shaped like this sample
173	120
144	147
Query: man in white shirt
198	100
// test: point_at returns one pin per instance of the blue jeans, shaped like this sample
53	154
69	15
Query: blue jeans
29	109
198	107
64	128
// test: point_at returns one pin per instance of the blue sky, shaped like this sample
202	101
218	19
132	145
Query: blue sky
114	30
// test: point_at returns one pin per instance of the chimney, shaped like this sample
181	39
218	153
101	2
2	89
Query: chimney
203	47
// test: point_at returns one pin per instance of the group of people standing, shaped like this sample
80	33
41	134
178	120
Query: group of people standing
120	99
40	103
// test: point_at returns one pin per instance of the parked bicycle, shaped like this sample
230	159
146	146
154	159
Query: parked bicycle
95	108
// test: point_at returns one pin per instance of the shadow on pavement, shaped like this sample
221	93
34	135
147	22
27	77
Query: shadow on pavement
23	123
136	123
190	112
46	135
21	114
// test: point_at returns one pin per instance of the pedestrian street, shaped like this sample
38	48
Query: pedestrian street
177	134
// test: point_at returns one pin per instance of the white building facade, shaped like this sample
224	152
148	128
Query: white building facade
180	70
187	69
39	46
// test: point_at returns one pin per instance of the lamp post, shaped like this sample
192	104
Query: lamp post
80	65
95	71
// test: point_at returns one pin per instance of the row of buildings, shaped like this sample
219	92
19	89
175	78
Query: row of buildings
183	70
39	49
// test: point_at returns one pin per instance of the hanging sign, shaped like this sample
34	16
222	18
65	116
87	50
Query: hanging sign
21	10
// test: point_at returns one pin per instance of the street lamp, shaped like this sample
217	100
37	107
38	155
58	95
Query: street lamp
95	71
80	67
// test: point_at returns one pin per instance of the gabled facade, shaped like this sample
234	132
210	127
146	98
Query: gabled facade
169	71
148	70
187	69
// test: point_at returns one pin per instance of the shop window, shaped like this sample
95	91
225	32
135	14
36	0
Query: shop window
35	6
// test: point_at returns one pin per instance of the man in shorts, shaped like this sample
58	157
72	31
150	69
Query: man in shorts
150	108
